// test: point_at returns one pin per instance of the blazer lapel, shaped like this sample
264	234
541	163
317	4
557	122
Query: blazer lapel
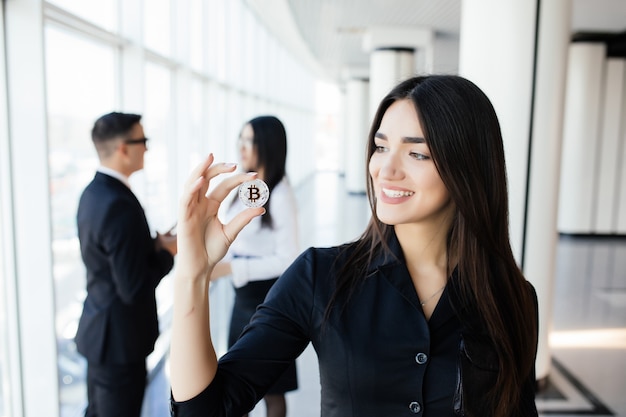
394	270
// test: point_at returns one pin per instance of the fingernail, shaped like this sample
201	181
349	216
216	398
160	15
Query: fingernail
251	174
230	164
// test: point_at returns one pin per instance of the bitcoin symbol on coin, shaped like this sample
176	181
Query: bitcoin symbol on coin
254	193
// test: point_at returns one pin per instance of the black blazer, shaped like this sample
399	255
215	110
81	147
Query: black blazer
119	322
377	357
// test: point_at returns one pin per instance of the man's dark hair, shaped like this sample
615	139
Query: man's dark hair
111	126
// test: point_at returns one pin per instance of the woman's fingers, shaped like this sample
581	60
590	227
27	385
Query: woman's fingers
232	229
219	168
195	190
222	190
197	186
197	183
199	170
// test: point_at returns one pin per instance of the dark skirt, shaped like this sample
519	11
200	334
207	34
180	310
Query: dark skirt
247	298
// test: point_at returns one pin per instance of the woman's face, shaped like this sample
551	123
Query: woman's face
247	150
407	186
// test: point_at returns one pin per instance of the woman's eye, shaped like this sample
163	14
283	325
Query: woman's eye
419	156
380	148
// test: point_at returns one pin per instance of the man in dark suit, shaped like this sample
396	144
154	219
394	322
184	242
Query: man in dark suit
119	323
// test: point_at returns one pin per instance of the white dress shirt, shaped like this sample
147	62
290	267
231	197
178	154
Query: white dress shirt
260	253
115	174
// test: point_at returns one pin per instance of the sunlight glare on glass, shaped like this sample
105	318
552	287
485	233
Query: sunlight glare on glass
157	26
80	75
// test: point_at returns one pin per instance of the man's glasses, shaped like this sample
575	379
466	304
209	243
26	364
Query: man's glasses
143	141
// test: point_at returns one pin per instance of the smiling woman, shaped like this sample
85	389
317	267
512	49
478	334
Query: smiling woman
407	185
431	281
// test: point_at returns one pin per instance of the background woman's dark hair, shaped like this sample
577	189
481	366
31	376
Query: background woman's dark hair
270	142
463	134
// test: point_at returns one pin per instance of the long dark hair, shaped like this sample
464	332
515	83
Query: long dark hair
463	134
270	142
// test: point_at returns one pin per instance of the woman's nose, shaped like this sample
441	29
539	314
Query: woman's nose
391	167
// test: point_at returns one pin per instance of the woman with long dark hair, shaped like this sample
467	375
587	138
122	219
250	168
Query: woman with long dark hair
425	314
264	249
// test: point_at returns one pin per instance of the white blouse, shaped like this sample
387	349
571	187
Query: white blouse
263	253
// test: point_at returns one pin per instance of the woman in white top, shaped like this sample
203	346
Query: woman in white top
264	249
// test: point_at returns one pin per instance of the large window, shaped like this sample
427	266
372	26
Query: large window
4	176
81	80
4	334
5	384
160	160
157	25
102	12
196	71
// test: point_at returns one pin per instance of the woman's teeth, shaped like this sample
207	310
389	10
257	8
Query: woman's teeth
397	193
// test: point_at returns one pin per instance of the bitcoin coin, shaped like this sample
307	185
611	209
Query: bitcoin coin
254	193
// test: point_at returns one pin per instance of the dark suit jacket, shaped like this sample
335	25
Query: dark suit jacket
377	357
119	322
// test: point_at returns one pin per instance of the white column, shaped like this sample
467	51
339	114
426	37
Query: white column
388	66
10	359
621	203
393	59
30	208
526	87
497	53
541	220
356	128
610	162
583	94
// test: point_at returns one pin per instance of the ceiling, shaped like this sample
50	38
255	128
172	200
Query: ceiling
328	34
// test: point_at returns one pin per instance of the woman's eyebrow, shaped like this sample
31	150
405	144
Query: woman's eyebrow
405	139
409	139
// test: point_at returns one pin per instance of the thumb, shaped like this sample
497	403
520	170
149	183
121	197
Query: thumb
236	225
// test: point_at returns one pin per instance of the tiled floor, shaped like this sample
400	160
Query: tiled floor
588	341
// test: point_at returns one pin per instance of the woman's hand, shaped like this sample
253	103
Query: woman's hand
221	269
202	239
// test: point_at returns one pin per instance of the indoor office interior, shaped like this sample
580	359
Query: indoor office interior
196	70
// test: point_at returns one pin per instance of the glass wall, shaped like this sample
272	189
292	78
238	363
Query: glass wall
5	306
5	394
196	70
81	80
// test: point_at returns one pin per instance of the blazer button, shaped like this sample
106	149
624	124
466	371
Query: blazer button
421	358
415	407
